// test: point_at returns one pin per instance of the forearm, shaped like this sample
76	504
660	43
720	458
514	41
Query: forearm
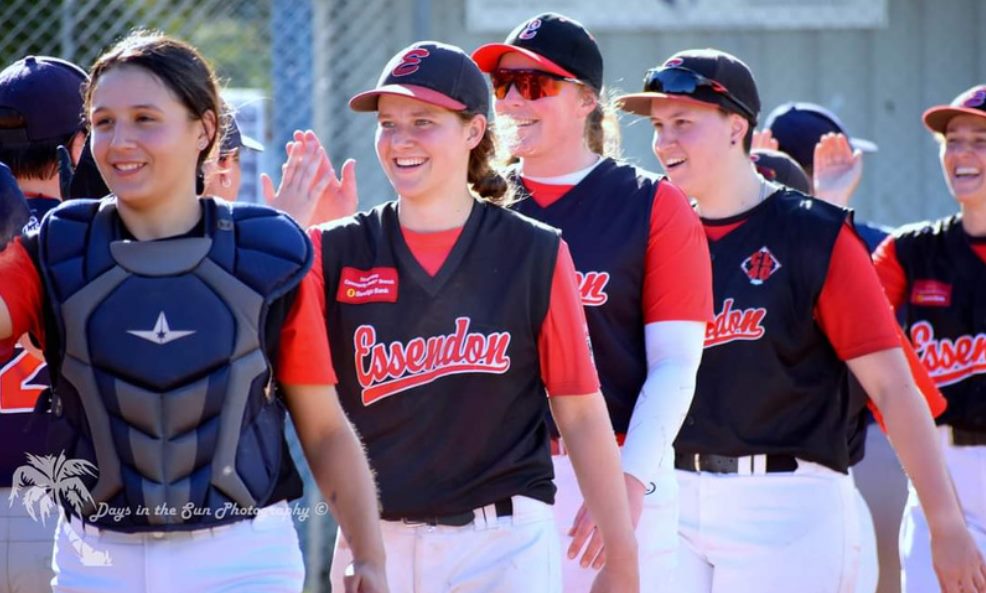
585	427
674	351
914	437
343	475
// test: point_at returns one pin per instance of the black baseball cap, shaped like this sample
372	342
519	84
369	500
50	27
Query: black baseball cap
704	75
560	45
970	102
799	126
777	166
432	72
233	138
40	100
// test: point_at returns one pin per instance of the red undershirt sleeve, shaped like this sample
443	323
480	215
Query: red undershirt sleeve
890	272
852	309
304	357
677	269
567	367
21	291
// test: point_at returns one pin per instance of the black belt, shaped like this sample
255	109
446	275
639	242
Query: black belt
504	508
967	438
722	464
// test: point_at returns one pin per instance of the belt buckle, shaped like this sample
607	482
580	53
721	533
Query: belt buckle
697	462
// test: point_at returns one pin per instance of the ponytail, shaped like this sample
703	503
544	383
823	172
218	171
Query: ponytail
484	178
602	128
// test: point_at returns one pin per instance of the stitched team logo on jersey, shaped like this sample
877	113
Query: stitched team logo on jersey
592	287
731	324
931	293
384	370
760	266
949	361
20	384
410	62
530	30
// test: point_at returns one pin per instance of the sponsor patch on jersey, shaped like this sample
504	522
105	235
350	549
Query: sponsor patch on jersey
931	293
376	285
760	266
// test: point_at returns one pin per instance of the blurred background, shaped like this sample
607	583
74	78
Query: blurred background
293	64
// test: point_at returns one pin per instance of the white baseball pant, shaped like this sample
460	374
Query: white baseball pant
657	536
868	572
259	555
767	533
968	468
514	554
25	548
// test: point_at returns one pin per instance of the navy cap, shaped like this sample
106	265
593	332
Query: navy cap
798	127
970	102
557	43
735	89
40	100
778	166
433	72
233	138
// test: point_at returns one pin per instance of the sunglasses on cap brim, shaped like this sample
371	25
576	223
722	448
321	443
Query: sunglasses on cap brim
530	84
681	81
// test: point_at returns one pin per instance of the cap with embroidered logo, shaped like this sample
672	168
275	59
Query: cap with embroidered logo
970	102
40	100
433	72
703	75
774	165
560	45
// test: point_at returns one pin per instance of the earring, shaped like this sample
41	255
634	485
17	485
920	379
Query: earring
225	182
202	144
733	142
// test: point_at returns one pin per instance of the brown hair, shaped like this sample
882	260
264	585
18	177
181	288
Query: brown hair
178	65
484	177
602	126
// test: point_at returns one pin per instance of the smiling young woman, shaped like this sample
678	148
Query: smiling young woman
936	270
766	503
643	265
451	319
169	325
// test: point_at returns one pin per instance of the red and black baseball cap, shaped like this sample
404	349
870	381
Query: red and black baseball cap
560	45
777	166
433	72
40	100
798	127
970	102
704	75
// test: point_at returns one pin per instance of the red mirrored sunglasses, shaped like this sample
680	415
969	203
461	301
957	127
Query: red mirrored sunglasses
530	84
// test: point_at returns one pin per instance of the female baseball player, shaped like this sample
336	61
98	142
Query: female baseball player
935	269
450	317
644	272
766	504
170	328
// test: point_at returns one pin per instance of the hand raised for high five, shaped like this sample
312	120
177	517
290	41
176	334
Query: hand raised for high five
310	191
764	139
837	169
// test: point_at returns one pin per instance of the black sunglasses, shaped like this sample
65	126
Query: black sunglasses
682	81
531	84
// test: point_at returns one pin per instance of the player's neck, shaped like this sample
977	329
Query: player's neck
48	188
554	163
737	189
437	214
974	219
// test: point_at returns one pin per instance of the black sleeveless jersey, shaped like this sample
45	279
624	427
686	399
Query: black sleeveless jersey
605	219
770	381
441	375
946	315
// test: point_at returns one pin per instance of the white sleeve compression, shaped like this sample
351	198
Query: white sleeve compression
674	351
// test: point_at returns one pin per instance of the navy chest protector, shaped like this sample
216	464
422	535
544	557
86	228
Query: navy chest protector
161	362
